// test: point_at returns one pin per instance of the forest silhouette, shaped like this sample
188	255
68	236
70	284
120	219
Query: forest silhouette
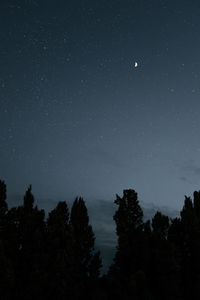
54	257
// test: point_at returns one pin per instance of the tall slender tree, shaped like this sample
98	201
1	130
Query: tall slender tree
190	245
31	251
7	276
87	261
128	269
60	253
163	273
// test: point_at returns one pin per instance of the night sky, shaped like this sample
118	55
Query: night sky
78	118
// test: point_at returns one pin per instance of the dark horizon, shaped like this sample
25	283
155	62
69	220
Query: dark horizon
56	254
101	214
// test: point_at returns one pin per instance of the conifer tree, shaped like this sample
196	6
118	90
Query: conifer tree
31	251
128	270
163	273
7	276
160	225
190	245
87	262
60	253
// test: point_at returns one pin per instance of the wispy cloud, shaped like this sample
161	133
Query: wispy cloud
190	171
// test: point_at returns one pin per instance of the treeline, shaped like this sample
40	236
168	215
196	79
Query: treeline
51	258
54	257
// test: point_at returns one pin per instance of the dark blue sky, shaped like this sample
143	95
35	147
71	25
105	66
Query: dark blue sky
76	117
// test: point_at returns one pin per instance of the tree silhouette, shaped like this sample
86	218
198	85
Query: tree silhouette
41	259
7	275
55	258
87	262
31	248
189	245
128	269
164	274
60	253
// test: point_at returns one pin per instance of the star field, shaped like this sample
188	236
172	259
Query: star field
76	117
